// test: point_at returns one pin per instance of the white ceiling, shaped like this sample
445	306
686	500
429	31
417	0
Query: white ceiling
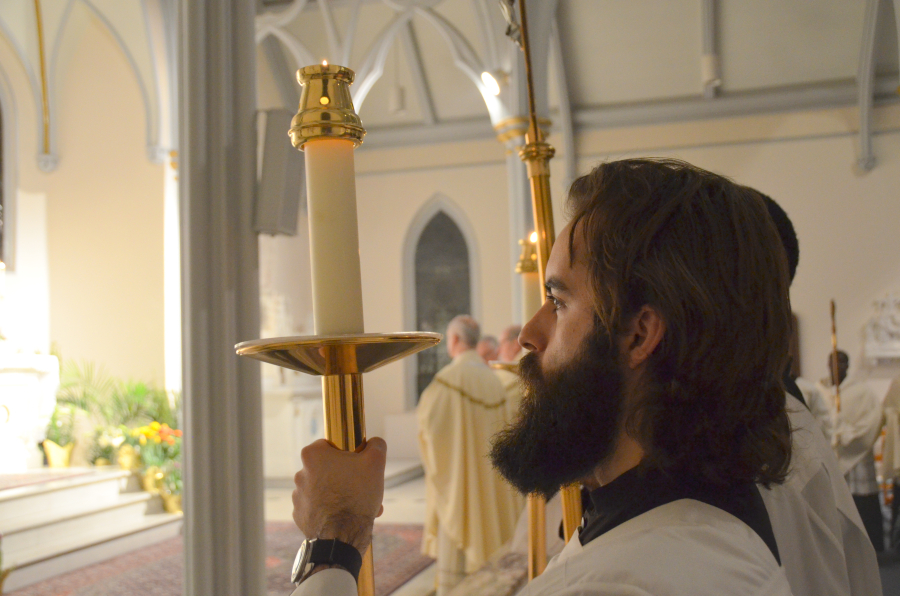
617	54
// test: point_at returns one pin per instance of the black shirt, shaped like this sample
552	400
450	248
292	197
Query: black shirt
638	491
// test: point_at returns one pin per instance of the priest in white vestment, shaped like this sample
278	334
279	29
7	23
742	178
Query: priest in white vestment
470	511
854	430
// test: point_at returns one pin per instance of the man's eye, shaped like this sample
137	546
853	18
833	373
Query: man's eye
554	300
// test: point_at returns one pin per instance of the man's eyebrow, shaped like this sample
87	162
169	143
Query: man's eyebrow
554	283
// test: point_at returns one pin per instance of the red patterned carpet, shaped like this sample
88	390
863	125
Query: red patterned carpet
158	570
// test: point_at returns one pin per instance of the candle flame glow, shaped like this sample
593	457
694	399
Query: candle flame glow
324	62
533	237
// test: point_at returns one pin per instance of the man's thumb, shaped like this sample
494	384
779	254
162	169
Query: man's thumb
377	444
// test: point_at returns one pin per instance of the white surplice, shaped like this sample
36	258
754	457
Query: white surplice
821	539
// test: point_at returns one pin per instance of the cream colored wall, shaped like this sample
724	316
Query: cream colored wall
388	203
104	208
846	221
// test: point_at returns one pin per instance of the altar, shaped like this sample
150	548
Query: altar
28	384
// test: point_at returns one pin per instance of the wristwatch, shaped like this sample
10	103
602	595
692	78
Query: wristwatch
327	552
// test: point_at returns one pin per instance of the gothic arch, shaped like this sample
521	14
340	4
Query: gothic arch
438	203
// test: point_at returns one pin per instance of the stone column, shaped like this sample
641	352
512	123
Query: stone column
224	536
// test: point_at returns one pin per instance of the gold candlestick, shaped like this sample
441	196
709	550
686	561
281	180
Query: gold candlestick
537	154
326	114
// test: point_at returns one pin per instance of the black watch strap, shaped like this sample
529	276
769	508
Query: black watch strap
326	552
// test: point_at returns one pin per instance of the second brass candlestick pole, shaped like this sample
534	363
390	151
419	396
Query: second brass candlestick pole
537	154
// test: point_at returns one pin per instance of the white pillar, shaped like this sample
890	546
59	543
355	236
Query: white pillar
224	536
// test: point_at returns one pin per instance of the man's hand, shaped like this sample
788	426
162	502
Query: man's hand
339	493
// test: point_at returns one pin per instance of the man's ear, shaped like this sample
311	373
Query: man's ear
642	336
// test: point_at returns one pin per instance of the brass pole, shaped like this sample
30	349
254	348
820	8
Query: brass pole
834	360
537	154
345	428
45	100
537	535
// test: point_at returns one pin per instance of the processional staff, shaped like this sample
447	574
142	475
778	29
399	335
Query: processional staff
536	154
327	129
834	361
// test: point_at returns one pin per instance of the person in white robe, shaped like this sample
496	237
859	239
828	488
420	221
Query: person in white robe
854	430
825	549
470	511
816	403
488	347
650	378
890	456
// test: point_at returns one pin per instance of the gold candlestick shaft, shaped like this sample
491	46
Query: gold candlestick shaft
537	154
834	359
345	428
341	360
537	535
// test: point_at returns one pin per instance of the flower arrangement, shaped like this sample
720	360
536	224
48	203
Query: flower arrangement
106	444
158	443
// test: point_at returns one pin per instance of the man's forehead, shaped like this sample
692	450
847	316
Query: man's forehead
561	265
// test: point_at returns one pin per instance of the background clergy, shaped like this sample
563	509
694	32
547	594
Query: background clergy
824	547
854	430
470	511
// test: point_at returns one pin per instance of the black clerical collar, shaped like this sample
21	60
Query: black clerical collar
638	491
790	385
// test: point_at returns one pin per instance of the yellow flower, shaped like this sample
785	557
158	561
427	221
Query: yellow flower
157	440
142	440
154	425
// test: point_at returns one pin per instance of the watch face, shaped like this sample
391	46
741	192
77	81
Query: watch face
301	561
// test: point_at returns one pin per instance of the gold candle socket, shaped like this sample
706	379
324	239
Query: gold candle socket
341	360
326	107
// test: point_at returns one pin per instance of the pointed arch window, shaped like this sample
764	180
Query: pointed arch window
442	288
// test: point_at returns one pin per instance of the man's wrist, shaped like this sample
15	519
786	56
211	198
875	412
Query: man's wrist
355	530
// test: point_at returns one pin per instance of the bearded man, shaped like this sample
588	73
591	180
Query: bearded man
653	378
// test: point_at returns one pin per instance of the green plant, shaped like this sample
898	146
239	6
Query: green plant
106	443
83	386
61	428
172	481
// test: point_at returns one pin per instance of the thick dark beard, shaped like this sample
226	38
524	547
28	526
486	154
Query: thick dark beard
567	421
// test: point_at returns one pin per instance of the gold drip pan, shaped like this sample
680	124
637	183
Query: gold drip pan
512	367
337	354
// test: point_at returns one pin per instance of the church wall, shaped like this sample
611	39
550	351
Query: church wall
846	220
388	203
104	208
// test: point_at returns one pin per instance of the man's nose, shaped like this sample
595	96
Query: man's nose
535	332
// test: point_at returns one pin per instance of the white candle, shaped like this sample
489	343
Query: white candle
333	236
532	297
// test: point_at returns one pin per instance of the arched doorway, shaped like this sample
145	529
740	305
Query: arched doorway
442	288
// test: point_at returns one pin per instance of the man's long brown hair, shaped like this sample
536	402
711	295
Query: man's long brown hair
703	252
